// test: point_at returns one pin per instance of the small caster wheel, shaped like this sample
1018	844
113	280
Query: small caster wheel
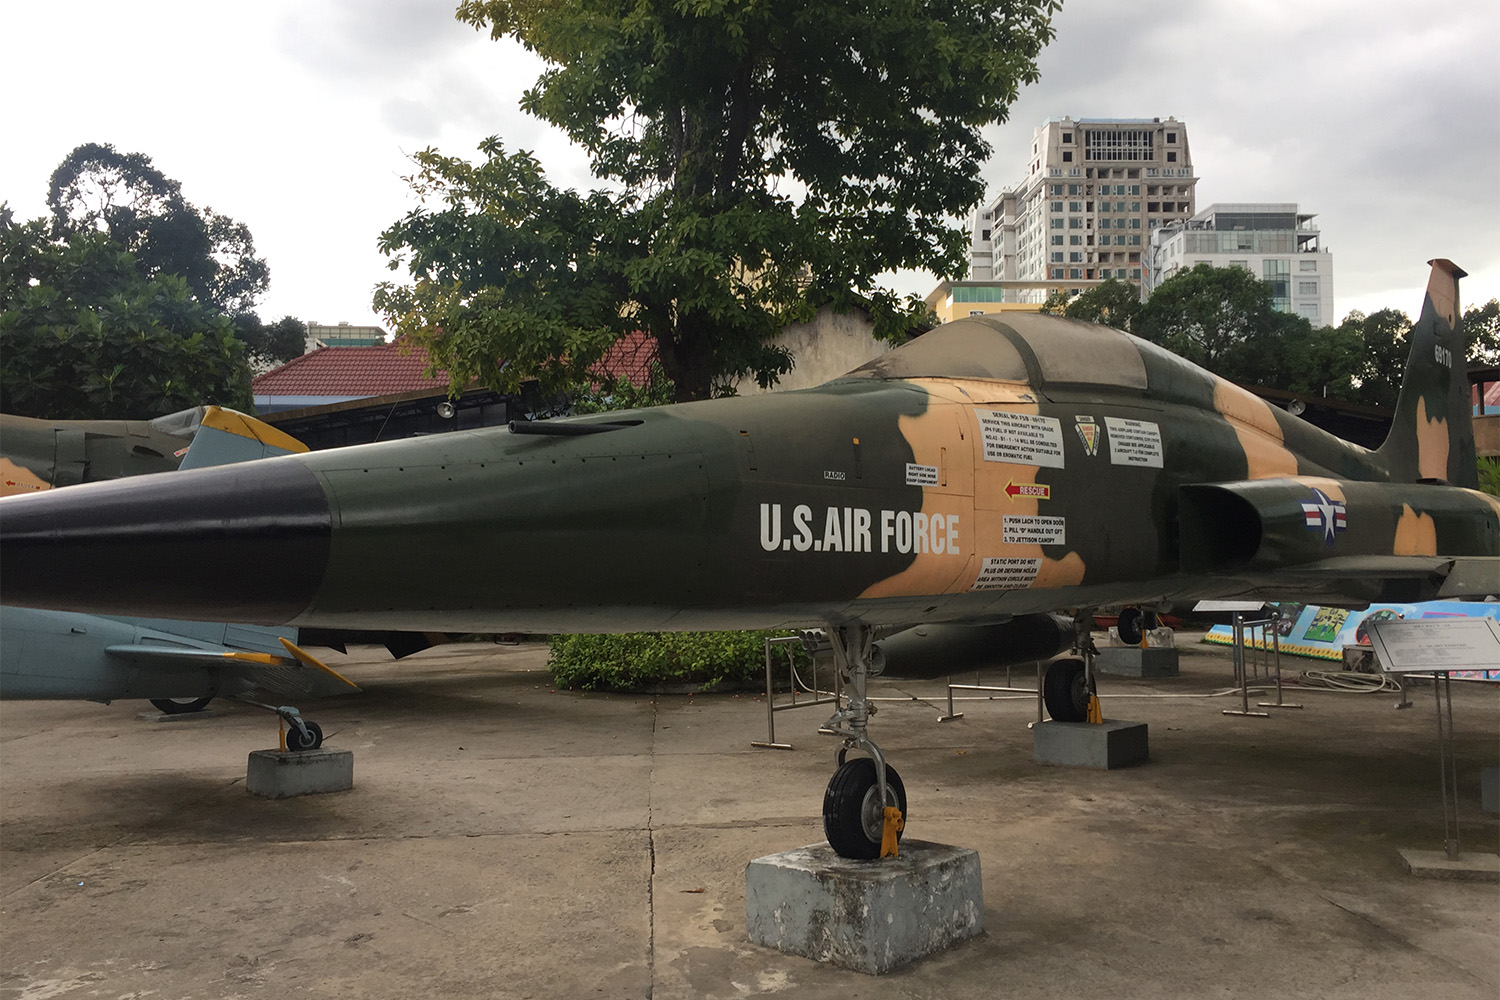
296	741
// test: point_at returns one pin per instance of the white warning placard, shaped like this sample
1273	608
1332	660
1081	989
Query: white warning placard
1134	442
1021	438
921	475
1006	574
1022	530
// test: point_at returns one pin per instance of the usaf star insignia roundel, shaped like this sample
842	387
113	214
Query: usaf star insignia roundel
1323	513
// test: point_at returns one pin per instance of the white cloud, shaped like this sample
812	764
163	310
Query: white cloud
298	118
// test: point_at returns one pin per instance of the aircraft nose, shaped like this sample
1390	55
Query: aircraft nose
246	543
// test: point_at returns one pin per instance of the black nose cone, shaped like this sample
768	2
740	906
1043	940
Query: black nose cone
243	543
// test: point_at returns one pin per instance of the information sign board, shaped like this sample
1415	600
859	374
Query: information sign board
1436	645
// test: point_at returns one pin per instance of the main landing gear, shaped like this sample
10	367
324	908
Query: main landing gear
1133	624
864	809
1068	687
180	706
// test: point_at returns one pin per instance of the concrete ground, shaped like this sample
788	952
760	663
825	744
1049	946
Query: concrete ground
507	840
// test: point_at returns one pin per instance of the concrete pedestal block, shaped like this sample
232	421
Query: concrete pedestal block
1489	789
870	916
1108	745
273	774
1467	867
1132	661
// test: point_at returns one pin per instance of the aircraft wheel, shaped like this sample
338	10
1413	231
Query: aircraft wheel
853	816
296	741
1130	626
1065	690
180	706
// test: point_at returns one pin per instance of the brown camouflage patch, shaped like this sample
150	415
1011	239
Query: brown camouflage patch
1266	454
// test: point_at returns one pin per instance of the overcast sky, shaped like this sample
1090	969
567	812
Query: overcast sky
297	117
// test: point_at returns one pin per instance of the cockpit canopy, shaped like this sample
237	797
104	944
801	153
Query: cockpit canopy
1020	347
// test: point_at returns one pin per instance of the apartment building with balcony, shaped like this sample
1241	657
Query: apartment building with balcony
1275	241
1095	190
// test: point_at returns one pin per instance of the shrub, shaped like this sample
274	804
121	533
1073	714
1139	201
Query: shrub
648	659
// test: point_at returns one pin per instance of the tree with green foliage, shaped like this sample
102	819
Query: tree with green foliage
1218	317
96	188
759	160
84	335
270	344
1482	328
1112	302
1382	365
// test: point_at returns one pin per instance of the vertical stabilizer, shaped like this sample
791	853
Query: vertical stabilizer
226	436
1432	436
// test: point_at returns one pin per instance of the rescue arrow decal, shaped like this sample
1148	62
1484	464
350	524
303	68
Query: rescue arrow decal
1033	491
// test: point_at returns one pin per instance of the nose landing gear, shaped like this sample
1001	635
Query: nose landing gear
864	808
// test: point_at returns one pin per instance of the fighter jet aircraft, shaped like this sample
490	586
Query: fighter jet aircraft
179	666
992	470
40	454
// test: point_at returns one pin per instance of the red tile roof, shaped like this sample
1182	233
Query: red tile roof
384	369
378	370
629	358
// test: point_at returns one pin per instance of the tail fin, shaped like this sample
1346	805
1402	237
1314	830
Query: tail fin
227	436
1432	436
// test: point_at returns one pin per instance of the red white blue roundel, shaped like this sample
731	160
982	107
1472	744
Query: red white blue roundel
1323	513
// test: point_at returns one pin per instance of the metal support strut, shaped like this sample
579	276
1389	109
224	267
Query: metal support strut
290	717
851	658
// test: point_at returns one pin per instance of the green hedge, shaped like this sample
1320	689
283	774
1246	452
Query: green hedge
649	660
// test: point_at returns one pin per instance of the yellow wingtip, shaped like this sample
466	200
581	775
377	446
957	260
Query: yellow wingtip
245	426
304	657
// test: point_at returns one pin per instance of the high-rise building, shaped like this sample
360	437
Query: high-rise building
1095	188
1276	242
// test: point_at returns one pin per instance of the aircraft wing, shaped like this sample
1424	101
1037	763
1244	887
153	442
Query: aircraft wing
298	674
1452	577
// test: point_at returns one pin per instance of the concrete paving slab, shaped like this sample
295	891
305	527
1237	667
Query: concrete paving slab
1469	866
507	840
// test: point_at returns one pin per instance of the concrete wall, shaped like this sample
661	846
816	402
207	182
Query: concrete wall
833	344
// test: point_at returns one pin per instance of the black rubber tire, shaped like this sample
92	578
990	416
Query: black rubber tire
180	706
294	739
1130	625
852	820
1065	691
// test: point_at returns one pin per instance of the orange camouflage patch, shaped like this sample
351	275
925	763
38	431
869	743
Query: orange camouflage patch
1432	444
1416	534
1266	455
17	479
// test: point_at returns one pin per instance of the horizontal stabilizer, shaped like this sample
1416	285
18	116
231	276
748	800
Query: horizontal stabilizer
300	675
307	659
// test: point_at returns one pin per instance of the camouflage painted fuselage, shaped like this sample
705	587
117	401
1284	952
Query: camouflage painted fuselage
40	454
988	468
